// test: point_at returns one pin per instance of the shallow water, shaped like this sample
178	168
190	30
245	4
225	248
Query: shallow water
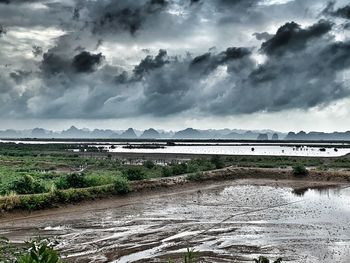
238	148
222	223
268	150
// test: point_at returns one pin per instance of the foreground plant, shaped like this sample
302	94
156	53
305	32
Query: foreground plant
190	256
263	259
35	251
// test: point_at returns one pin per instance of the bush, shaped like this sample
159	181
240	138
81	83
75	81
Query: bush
135	173
73	180
193	168
27	185
148	164
218	161
195	177
98	179
179	168
300	170
166	172
122	186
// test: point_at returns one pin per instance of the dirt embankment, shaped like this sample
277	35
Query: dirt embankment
232	173
144	189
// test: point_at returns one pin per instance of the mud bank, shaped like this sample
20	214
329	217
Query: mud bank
220	219
15	203
234	173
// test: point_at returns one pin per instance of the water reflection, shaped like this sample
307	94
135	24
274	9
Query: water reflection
321	190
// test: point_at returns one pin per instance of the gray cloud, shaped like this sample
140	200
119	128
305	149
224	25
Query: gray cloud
291	37
343	12
123	15
149	63
86	62
154	58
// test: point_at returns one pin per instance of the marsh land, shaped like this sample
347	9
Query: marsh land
107	206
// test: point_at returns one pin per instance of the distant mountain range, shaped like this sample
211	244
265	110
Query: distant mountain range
189	133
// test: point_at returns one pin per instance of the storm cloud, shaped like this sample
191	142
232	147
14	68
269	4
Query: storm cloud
163	58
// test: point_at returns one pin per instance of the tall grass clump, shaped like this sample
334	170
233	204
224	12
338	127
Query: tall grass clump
135	173
300	170
122	185
28	185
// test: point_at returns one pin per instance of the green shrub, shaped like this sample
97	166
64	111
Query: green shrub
166	171
135	173
193	168
122	186
35	202
76	180
28	185
73	180
178	169
148	164
300	170
101	178
218	161
199	176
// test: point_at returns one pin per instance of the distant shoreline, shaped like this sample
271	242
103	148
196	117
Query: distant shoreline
140	140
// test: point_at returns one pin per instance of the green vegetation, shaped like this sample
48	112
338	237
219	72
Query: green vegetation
300	170
27	185
218	161
56	197
199	176
35	251
135	173
263	259
35	176
122	186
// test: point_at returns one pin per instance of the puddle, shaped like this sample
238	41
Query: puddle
223	223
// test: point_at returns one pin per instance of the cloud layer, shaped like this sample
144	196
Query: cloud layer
162	58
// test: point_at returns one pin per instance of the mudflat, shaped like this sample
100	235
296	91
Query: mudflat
224	220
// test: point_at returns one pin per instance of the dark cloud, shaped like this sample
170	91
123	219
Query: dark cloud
2	30
86	62
54	64
343	12
291	37
159	61
149	63
208	61
124	15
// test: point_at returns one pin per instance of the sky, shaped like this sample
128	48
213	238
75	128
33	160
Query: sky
172	64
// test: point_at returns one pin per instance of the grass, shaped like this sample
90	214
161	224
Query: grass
56	197
46	169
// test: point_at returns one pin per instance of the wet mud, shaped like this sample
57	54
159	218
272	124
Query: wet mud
229	221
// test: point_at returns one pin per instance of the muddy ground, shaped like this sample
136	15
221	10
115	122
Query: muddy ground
227	221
